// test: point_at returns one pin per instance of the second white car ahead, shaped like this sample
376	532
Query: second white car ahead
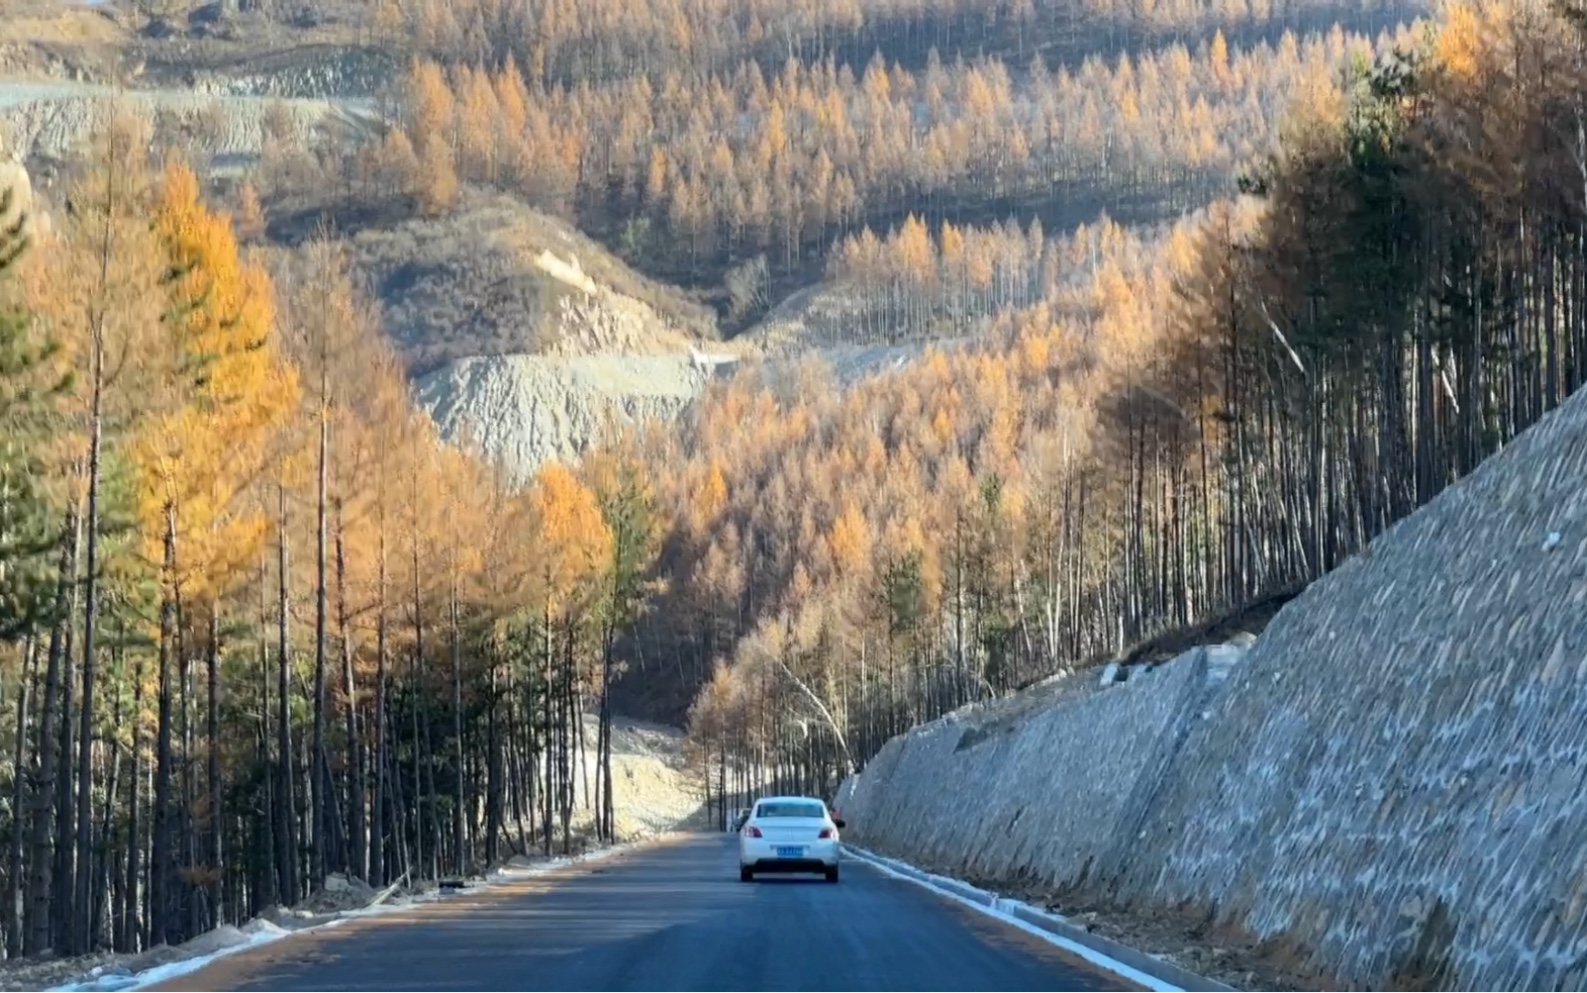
789	834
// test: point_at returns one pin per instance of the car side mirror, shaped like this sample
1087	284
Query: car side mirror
839	823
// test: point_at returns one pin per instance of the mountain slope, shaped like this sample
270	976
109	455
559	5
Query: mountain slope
525	410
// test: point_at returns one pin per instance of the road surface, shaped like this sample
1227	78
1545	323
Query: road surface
671	916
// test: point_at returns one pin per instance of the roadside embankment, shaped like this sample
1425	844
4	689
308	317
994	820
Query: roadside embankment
1385	792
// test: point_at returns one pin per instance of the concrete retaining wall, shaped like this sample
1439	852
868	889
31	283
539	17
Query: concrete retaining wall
1394	780
994	794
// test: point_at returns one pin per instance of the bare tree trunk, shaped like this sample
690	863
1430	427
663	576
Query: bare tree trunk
357	789
212	733
421	752
318	786
162	869
131	938
549	694
608	812
103	914
493	766
41	857
377	836
15	889
65	797
267	883
565	741
82	922
459	841
286	805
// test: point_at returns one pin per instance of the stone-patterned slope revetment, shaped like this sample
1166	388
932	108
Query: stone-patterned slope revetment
1393	780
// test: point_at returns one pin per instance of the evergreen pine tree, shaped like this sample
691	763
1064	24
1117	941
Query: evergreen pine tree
31	381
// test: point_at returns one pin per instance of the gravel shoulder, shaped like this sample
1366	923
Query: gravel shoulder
1192	944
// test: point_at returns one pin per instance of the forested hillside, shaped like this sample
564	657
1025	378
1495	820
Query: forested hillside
259	625
610	39
689	174
1235	409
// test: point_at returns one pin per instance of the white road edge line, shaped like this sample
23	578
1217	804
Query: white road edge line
993	908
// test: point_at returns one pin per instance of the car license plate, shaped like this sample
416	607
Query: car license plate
790	853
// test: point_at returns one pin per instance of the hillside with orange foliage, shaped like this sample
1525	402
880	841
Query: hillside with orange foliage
739	163
262	625
1214	420
259	625
602	40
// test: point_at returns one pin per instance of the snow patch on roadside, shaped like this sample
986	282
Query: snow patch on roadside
224	940
1003	909
512	872
228	939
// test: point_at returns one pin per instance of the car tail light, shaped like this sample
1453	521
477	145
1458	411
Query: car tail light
827	833
752	831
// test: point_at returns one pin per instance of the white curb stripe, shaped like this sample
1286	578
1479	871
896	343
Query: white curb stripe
1000	909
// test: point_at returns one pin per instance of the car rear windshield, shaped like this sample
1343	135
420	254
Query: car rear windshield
790	808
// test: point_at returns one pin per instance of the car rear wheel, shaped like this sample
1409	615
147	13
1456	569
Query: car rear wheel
746	874
832	874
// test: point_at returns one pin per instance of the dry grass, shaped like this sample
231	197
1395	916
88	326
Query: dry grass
42	39
108	40
58	22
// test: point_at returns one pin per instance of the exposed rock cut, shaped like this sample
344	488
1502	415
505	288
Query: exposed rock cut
1388	786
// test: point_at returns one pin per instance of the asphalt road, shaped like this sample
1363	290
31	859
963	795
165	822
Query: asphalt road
671	916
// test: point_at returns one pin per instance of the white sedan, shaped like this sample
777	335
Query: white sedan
789	834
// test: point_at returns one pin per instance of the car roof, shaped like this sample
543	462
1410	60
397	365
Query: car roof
787	799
